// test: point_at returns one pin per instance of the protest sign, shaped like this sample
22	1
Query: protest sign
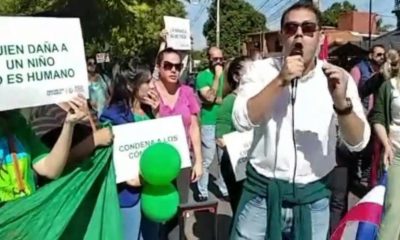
42	61
238	145
133	138
178	36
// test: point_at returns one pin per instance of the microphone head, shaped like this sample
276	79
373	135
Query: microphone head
297	49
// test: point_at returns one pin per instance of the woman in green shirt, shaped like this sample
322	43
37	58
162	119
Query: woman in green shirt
22	153
224	125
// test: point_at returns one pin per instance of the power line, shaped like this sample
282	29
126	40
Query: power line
269	6
262	6
200	12
276	15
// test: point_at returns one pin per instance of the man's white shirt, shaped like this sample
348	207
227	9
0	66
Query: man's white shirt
272	153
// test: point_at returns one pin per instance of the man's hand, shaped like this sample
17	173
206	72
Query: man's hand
337	84
218	100
293	67
219	70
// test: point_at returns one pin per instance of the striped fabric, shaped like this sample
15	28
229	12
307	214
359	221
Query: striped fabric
46	118
363	220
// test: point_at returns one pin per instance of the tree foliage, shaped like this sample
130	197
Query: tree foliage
237	18
381	28
331	15
121	27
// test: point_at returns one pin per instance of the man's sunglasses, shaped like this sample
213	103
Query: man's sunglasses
217	59
91	63
169	66
380	54
308	28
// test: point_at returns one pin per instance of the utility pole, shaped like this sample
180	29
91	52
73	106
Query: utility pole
370	25
218	22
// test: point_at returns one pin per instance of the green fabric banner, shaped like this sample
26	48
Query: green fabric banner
82	204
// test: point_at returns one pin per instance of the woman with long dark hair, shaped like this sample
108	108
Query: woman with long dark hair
132	101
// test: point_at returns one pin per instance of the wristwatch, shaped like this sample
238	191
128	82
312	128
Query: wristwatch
345	111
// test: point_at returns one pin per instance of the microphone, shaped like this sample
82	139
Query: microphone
297	50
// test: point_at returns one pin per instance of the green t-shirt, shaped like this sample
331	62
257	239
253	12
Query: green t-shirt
29	150
208	114
224	118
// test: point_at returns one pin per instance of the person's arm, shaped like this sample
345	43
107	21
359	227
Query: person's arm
195	138
354	128
382	134
210	93
53	164
378	120
194	132
100	138
371	85
259	89
355	74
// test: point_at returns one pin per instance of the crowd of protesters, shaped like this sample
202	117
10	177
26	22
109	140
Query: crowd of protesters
319	133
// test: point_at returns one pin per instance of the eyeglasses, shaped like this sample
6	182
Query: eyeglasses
394	64
380	54
169	66
308	28
217	59
91	63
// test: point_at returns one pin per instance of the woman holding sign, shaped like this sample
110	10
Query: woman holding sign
22	153
132	101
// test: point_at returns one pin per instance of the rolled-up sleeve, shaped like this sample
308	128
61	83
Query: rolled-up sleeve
358	109
251	84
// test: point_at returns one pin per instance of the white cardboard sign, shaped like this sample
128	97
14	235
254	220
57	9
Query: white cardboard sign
238	145
133	138
42	61
178	33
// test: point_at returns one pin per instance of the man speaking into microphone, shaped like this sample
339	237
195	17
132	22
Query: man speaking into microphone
295	132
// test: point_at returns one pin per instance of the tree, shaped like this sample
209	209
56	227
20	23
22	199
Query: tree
331	15
383	27
125	28
237	18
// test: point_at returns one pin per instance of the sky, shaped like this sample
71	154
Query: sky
272	9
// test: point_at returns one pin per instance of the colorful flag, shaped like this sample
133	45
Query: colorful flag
363	220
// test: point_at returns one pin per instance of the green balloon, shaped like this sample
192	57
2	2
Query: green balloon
159	203
160	164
